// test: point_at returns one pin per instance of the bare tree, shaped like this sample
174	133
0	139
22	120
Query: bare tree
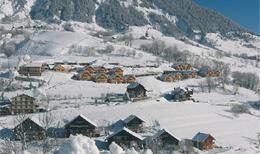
47	120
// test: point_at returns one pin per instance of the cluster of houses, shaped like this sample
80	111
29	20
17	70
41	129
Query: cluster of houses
102	74
186	71
85	71
19	104
27	104
127	133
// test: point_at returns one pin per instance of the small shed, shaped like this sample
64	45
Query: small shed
203	141
136	91
126	139
134	123
81	125
29	130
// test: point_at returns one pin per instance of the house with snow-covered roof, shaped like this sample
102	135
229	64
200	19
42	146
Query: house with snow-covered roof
203	141
23	104
31	69
134	123
136	91
163	139
81	125
126	138
29	130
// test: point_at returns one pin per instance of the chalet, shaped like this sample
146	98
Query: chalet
115	79
33	69
134	123
117	71
126	139
208	72
129	79
170	77
23	104
81	125
100	78
85	75
181	67
29	130
5	105
90	69
180	94
203	141
101	69
136	91
163	140
188	74
59	68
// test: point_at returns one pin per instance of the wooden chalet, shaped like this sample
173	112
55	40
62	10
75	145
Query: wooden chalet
90	69
203	141
101	70
85	75
134	123
182	67
136	91
163	140
126	139
117	71
29	130
208	72
170	77
188	74
100	78
129	79
116	79
81	125
33	69
59	68
23	104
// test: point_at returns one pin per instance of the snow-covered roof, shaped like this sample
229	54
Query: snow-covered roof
199	137
127	131
133	85
85	118
164	131
131	117
32	65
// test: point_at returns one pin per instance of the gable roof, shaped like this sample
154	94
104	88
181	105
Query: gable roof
127	131
25	95
131	117
200	137
164	131
134	85
30	120
83	117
